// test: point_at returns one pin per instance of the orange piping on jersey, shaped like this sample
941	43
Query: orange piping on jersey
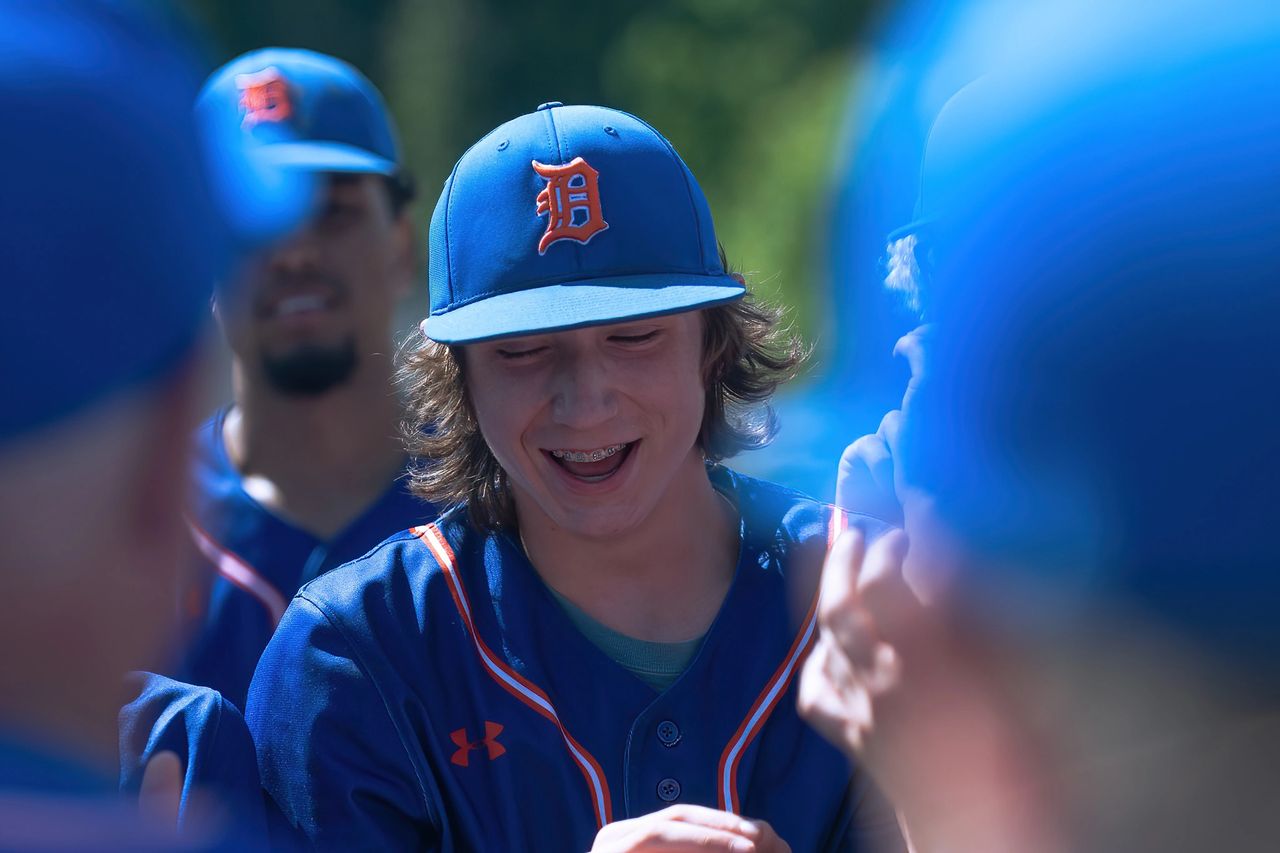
511	681
239	573
774	690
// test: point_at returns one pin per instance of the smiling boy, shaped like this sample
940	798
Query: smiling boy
597	647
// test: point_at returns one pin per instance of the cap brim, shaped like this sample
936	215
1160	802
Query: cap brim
559	307
326	157
915	226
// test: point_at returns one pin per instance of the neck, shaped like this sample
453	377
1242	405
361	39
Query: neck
318	459
688	543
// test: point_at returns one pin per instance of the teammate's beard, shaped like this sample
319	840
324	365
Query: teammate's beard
310	371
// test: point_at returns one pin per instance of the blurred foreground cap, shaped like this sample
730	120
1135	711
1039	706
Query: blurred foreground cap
1103	416
568	217
109	240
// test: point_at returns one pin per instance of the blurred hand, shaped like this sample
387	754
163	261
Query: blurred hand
689	828
919	706
868	481
865	481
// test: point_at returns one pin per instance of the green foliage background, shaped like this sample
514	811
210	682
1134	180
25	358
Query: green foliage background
749	91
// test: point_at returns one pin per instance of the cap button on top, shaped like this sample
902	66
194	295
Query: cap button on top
549	104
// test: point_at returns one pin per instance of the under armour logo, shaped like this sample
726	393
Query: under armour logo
462	756
571	201
264	97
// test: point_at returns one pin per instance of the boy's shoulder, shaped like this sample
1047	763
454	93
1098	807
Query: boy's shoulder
397	571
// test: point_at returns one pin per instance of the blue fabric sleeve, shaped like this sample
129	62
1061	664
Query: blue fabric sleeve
330	755
209	735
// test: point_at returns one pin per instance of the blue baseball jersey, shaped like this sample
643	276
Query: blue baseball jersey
257	560
433	695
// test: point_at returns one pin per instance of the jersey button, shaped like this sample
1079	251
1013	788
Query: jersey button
668	790
668	733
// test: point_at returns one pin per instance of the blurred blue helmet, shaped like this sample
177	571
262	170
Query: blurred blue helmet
1104	403
110	237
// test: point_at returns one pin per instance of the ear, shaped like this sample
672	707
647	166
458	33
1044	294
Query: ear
739	278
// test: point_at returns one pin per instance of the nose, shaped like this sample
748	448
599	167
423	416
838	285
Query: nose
583	394
295	254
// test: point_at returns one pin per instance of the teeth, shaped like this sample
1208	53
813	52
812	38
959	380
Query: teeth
298	304
597	455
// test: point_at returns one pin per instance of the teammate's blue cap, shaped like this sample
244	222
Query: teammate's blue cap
307	111
568	217
961	136
109	240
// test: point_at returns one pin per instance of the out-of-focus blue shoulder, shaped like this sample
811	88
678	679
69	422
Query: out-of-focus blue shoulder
209	735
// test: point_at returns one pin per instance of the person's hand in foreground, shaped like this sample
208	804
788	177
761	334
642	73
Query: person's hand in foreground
920	707
689	828
868	481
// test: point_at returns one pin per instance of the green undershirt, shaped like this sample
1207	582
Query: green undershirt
656	664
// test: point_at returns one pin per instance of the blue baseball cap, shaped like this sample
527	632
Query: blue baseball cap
306	111
109	239
568	217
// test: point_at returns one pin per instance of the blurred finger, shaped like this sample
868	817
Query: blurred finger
883	590
160	797
865	481
914	347
832	700
839	586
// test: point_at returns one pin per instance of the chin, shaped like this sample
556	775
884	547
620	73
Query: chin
596	522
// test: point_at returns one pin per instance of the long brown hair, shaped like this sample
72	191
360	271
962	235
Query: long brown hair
747	354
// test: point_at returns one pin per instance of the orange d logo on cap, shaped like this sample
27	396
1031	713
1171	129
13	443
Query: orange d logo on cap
571	200
264	97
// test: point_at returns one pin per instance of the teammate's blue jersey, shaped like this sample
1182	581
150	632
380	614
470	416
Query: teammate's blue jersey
209	736
433	695
258	560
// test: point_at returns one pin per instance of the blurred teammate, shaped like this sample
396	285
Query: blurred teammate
596	649
1098	444
302	472
110	243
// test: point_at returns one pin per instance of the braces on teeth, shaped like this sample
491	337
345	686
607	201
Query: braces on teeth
584	456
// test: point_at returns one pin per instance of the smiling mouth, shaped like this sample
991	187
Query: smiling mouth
300	305
594	465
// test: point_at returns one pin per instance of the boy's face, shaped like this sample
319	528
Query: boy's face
594	427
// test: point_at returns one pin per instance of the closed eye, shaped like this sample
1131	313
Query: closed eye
517	354
635	339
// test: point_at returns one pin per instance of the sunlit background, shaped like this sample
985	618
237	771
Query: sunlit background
754	95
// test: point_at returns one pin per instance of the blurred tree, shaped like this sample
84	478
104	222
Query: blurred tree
749	91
